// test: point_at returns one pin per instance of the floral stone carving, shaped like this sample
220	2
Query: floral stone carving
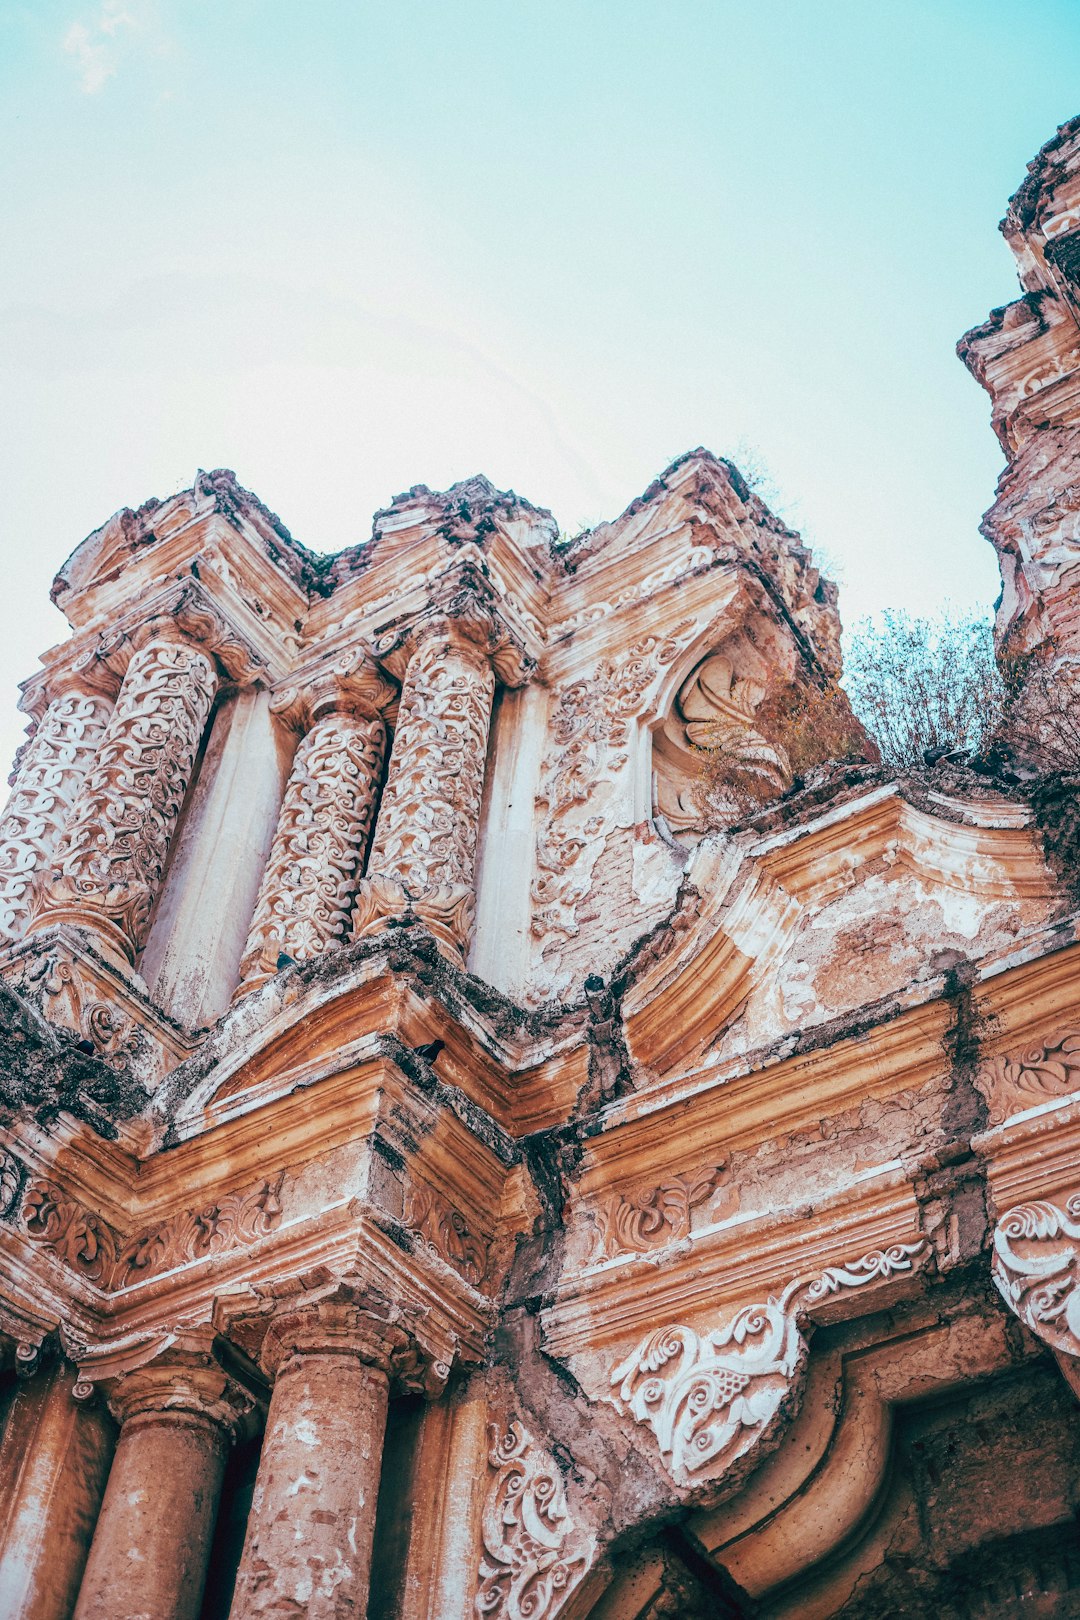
1036	1267
708	1398
648	1217
534	1556
308	885
111	859
50	773
424	850
1037	1074
445	1232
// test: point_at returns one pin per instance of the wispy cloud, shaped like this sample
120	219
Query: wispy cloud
92	46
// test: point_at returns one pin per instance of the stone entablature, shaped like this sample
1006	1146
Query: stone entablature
435	1168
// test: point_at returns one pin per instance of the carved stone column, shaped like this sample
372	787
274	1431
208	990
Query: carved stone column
54	1458
51	769
307	890
110	860
150	1550
423	855
312	1521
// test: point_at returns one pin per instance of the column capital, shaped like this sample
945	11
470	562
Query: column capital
185	1380
463	612
349	1318
352	684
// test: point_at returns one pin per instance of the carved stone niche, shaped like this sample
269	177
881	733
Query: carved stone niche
716	703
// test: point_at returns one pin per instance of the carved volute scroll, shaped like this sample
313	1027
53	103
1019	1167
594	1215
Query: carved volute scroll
51	770
424	850
715	703
323	829
534	1555
1036	1267
110	861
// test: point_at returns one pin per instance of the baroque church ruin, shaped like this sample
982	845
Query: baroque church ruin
442	1178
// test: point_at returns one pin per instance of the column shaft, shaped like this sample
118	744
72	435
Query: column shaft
54	1459
308	1546
429	822
51	770
150	1550
110	861
322	833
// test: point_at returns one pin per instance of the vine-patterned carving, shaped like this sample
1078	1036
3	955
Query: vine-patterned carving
534	1556
591	731
708	1398
112	855
89	1245
1036	1267
51	768
11	1180
446	1233
1037	1074
318	849
424	849
650	1216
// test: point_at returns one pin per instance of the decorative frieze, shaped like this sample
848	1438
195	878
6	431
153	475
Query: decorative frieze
1036	1074
650	1216
534	1555
444	1230
86	1243
1036	1267
111	858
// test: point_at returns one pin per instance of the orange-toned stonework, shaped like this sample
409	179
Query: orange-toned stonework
439	1177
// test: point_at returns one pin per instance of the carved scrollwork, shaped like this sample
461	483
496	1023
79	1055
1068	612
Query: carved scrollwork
52	980
87	1244
591	732
650	1216
51	768
425	839
1037	1074
446	1233
1036	1267
322	833
112	855
11	1180
534	1556
708	1398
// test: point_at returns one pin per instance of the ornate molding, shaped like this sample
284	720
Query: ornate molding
52	980
649	1217
1036	1266
534	1555
1035	1074
709	1398
354	684
444	1230
87	1244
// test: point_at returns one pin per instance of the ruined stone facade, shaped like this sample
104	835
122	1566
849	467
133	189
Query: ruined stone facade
439	1176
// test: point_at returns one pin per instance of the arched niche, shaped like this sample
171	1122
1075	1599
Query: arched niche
717	702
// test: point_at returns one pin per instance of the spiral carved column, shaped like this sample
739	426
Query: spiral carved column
52	768
423	854
110	860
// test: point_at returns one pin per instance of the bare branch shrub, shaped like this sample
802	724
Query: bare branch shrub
796	729
925	686
1041	727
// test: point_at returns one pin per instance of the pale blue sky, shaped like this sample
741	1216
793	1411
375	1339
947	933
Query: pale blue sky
344	248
